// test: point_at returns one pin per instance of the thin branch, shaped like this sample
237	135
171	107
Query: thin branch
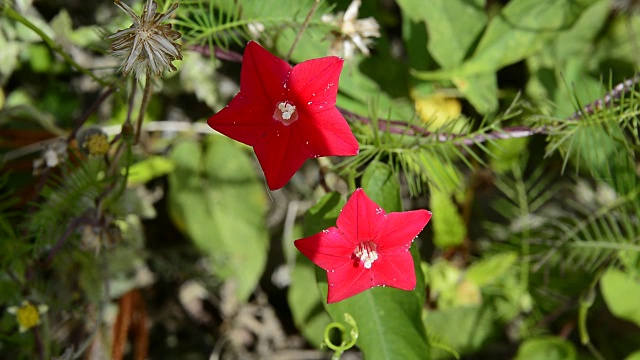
218	53
401	127
148	90
82	219
304	26
93	108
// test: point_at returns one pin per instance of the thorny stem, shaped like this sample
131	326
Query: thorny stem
304	26
52	44
148	90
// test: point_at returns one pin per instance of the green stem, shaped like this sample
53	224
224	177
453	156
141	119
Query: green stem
52	44
148	90
524	212
304	26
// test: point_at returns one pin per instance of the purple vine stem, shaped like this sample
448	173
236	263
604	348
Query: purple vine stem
606	100
401	127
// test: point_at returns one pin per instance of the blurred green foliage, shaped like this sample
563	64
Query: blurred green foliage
515	122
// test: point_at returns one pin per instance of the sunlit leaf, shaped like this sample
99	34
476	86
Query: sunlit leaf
546	348
221	204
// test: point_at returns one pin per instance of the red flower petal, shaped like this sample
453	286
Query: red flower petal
242	121
314	83
327	249
326	133
399	230
349	280
394	270
361	219
280	155
263	76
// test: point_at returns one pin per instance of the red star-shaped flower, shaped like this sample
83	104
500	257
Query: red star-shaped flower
367	248
287	114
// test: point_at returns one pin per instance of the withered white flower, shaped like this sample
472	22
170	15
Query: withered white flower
352	33
52	155
147	46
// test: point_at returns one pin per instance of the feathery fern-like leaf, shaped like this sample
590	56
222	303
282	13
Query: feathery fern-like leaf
66	197
222	23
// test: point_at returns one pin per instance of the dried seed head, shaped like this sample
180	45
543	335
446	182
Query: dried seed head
147	46
93	141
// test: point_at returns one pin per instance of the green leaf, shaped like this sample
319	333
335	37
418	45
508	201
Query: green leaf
507	154
442	19
306	303
216	198
40	58
513	35
62	25
449	228
382	183
634	356
546	348
358	90
150	168
323	214
579	39
8	56
388	319
481	90
621	292
486	270
449	38
464	329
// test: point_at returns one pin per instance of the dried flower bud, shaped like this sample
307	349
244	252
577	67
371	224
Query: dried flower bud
93	141
147	47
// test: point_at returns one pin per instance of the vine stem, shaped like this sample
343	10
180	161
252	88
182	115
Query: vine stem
52	44
606	100
304	26
401	127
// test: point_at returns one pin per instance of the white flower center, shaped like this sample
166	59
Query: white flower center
285	113
366	252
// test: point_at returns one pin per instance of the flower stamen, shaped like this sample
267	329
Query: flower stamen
366	252
285	113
